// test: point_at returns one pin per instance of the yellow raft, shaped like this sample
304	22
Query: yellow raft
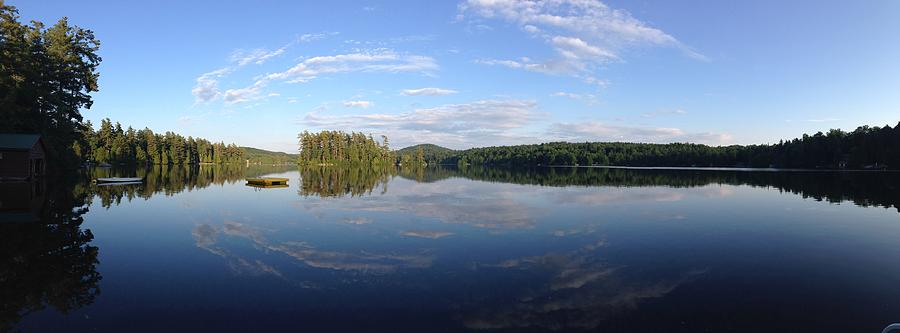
267	181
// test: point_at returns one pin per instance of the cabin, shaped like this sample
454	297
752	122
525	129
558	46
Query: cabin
22	156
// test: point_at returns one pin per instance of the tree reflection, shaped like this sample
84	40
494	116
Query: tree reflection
45	256
171	179
861	188
328	181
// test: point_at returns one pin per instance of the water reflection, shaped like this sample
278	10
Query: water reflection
573	290
206	237
563	249
170	179
337	182
861	188
46	259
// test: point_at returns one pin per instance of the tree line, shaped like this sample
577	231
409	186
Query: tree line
340	148
112	144
864	148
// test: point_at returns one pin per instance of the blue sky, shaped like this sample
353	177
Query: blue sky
480	73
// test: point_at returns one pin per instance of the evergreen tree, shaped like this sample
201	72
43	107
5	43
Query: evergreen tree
46	76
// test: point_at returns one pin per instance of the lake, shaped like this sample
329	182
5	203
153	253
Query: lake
450	250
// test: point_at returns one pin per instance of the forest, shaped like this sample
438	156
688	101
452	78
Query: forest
111	144
340	148
864	148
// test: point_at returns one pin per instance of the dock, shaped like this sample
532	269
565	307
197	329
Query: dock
267	181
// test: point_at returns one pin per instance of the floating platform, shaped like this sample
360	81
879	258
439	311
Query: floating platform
268	186
118	180
267	181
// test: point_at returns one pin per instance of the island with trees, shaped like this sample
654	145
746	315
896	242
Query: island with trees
339	148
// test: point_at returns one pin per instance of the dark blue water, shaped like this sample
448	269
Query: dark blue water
446	250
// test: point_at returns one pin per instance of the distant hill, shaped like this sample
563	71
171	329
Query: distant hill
434	154
259	156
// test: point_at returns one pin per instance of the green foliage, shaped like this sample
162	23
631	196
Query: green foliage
111	144
425	154
46	75
865	148
339	148
259	156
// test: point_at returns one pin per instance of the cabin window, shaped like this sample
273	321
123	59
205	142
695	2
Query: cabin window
1	156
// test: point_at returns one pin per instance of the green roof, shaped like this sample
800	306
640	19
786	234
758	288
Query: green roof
18	141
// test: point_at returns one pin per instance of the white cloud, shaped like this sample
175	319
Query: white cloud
257	56
566	94
358	104
589	99
584	33
428	92
261	55
378	61
548	67
383	61
507	63
457	125
207	87
234	96
596	131
575	48
306	38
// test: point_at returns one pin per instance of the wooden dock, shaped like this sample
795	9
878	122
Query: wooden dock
267	181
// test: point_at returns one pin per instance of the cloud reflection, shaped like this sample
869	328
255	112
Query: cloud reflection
364	262
481	205
579	291
207	237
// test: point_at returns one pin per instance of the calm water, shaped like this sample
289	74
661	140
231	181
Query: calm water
446	250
